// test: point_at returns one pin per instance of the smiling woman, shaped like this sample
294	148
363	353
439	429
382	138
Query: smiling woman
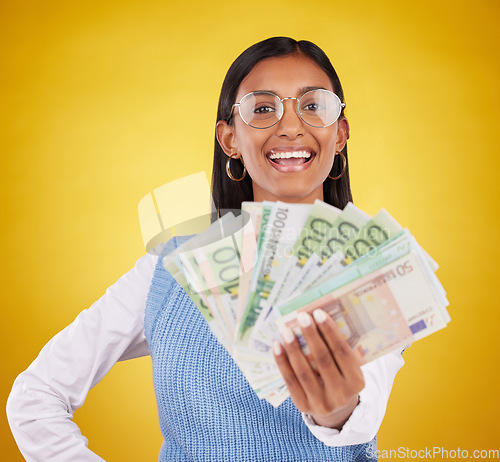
286	71
278	85
281	135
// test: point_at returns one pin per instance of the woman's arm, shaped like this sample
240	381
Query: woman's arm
44	397
345	402
365	420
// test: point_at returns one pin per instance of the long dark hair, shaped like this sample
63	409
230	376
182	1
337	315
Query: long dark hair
228	194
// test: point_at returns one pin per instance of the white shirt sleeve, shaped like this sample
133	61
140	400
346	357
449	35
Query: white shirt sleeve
44	397
367	417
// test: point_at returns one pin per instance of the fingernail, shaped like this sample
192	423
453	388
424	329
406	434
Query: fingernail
304	319
288	335
277	348
319	315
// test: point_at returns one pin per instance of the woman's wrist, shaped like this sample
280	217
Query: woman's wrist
337	418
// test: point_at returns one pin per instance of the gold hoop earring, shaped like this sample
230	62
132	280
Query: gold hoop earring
228	168
343	168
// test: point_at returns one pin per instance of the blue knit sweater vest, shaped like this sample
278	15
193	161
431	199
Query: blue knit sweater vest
207	409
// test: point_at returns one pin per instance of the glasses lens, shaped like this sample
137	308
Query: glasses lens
319	108
260	109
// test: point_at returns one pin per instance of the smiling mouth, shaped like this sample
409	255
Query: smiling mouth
291	158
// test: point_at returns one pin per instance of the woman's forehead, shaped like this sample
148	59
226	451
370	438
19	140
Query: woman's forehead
285	76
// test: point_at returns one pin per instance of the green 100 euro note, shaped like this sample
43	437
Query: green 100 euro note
251	275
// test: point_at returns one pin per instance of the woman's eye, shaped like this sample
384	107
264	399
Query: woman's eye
314	107
263	110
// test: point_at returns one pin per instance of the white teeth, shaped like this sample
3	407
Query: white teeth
288	155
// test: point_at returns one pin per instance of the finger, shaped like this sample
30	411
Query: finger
347	360
320	351
296	392
302	369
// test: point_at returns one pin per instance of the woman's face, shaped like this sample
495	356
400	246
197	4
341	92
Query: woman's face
290	180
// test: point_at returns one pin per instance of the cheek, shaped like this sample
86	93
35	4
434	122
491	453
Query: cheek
252	150
253	163
327	137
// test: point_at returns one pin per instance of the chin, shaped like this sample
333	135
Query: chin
295	194
291	189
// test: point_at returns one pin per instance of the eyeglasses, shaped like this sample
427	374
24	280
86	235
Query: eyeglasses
263	109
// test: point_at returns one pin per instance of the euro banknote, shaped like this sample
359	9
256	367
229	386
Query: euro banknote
251	274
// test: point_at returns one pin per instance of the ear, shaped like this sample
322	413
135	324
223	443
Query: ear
226	138
342	134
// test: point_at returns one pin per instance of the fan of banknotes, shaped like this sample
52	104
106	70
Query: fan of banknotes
251	273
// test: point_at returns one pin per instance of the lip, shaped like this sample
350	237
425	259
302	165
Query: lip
291	168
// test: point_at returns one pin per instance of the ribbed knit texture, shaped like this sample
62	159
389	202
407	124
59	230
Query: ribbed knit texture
207	409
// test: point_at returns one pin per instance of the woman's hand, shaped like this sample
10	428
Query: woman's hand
329	392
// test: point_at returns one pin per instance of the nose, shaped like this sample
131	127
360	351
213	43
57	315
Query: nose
290	124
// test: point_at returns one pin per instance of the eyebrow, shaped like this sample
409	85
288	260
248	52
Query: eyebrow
306	89
300	91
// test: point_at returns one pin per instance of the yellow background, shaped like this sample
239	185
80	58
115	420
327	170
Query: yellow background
103	101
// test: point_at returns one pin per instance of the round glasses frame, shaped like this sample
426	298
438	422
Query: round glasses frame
341	106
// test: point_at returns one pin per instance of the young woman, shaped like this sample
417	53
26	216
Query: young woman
271	144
